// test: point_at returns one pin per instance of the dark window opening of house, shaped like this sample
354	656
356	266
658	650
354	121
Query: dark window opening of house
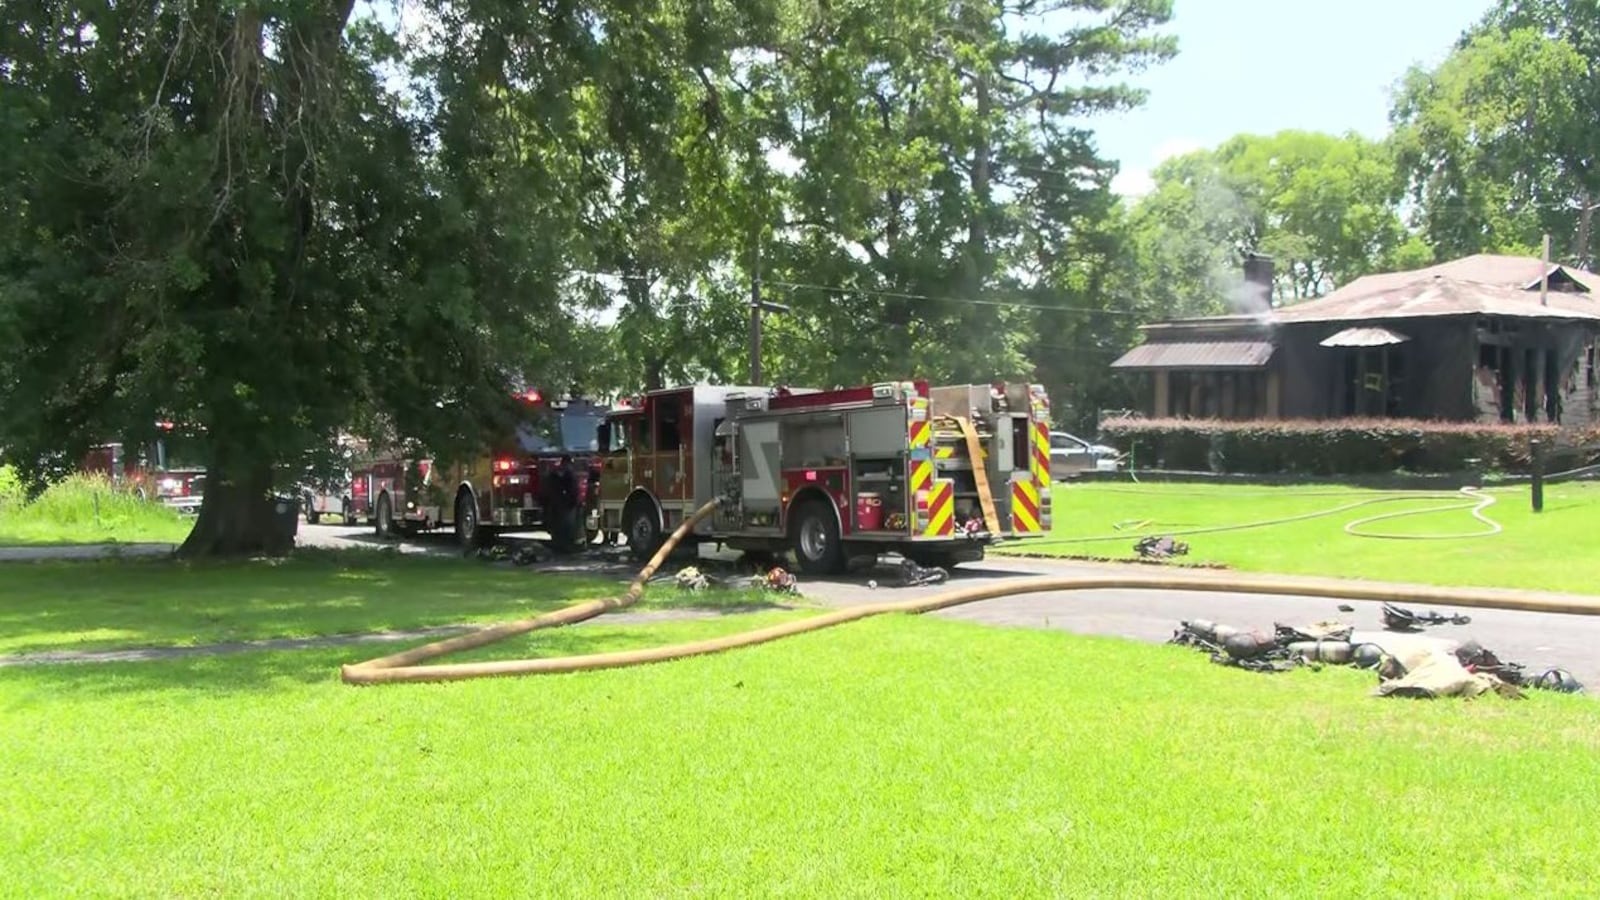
1372	383
1217	395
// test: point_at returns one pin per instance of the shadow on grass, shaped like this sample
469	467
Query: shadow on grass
28	687
128	603
38	687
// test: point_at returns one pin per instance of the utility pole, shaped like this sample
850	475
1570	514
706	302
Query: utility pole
755	310
757	307
1544	275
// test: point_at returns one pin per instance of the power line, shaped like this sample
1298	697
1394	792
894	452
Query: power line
896	295
903	295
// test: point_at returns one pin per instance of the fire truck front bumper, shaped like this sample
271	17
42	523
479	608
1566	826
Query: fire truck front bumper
514	505
513	517
188	505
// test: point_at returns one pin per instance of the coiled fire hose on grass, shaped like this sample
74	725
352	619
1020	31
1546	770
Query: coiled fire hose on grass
406	665
1468	498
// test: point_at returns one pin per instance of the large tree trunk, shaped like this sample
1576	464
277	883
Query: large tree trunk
238	517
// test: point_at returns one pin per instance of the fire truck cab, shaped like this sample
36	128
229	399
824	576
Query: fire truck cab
933	473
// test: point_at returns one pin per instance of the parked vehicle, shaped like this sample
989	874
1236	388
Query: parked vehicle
1070	455
165	469
933	473
329	497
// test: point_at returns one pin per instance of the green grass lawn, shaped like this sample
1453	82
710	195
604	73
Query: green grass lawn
84	510
1558	549
95	605
891	757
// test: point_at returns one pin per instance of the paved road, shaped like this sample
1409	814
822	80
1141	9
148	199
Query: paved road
1537	640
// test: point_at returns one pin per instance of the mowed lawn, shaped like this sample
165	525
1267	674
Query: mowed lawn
1558	549
156	602
889	757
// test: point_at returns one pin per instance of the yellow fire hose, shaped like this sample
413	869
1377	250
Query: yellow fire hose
404	666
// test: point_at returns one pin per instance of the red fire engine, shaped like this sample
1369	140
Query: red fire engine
498	491
933	473
158	470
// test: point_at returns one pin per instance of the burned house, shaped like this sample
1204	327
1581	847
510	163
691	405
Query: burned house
1485	338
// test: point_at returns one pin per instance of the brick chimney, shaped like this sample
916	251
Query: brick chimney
1258	275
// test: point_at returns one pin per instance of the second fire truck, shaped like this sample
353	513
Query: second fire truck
933	473
498	491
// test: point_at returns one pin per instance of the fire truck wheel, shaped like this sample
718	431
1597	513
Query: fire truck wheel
347	514
385	518
312	516
817	549
644	531
468	531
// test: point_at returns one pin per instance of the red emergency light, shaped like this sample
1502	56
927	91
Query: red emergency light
811	475
532	396
504	465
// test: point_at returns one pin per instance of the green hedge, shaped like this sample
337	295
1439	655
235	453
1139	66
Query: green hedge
1339	447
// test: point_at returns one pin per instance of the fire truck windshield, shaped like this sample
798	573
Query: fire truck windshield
572	431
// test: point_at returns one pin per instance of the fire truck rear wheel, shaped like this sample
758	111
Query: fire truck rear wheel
817	549
312	516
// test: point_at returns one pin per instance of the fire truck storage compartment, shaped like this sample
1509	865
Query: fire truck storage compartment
814	445
812	442
877	448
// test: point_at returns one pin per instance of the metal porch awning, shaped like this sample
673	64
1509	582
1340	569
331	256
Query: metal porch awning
1197	355
1367	336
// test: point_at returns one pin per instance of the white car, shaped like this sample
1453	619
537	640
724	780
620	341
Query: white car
1070	455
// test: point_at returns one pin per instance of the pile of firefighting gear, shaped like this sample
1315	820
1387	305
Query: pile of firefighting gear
1414	669
914	575
776	580
1160	547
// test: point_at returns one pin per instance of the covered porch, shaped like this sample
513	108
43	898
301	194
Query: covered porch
1208	379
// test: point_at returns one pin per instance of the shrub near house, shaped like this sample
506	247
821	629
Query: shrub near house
1341	446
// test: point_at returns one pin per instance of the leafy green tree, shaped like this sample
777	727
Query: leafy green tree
1324	207
670	145
220	214
1499	141
941	165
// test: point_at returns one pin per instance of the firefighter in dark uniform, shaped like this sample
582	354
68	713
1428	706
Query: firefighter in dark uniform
561	501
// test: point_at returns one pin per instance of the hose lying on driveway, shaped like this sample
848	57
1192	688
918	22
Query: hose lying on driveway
405	666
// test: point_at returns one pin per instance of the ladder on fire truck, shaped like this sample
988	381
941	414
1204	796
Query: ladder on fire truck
975	454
